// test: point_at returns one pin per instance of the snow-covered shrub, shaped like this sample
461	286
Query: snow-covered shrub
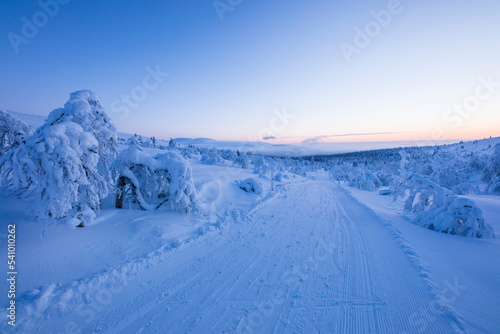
251	185
153	181
418	193
491	173
477	164
363	179
260	164
241	160
228	155
12	130
64	164
466	189
494	185
458	216
211	157
299	170
386	176
337	173
278	177
439	209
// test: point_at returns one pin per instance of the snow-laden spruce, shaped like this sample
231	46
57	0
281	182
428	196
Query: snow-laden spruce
12	131
152	182
64	165
438	209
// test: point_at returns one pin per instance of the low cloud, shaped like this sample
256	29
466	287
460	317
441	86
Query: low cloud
321	139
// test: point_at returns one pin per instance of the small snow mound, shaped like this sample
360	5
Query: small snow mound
252	185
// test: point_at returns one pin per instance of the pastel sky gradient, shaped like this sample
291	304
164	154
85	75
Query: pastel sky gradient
228	77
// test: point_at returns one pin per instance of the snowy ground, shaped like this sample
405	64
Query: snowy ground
307	258
464	270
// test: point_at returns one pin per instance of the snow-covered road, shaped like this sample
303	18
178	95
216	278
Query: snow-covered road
311	260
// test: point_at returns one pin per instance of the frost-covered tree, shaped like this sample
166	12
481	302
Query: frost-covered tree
211	157
241	160
261	166
438	209
362	178
64	165
491	173
12	131
152	182
418	193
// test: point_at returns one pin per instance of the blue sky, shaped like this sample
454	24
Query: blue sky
227	79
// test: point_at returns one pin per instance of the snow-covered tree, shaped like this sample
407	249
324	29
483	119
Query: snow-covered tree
12	131
459	216
362	178
418	193
261	166
64	165
241	160
211	157
491	173
172	143
152	182
438	209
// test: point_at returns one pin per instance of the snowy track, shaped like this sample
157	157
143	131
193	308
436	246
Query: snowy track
311	260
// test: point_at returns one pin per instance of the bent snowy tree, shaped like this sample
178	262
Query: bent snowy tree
151	182
438	209
64	164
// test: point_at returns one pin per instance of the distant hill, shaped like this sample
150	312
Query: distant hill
35	121
261	147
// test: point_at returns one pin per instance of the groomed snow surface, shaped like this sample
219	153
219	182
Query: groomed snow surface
308	258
